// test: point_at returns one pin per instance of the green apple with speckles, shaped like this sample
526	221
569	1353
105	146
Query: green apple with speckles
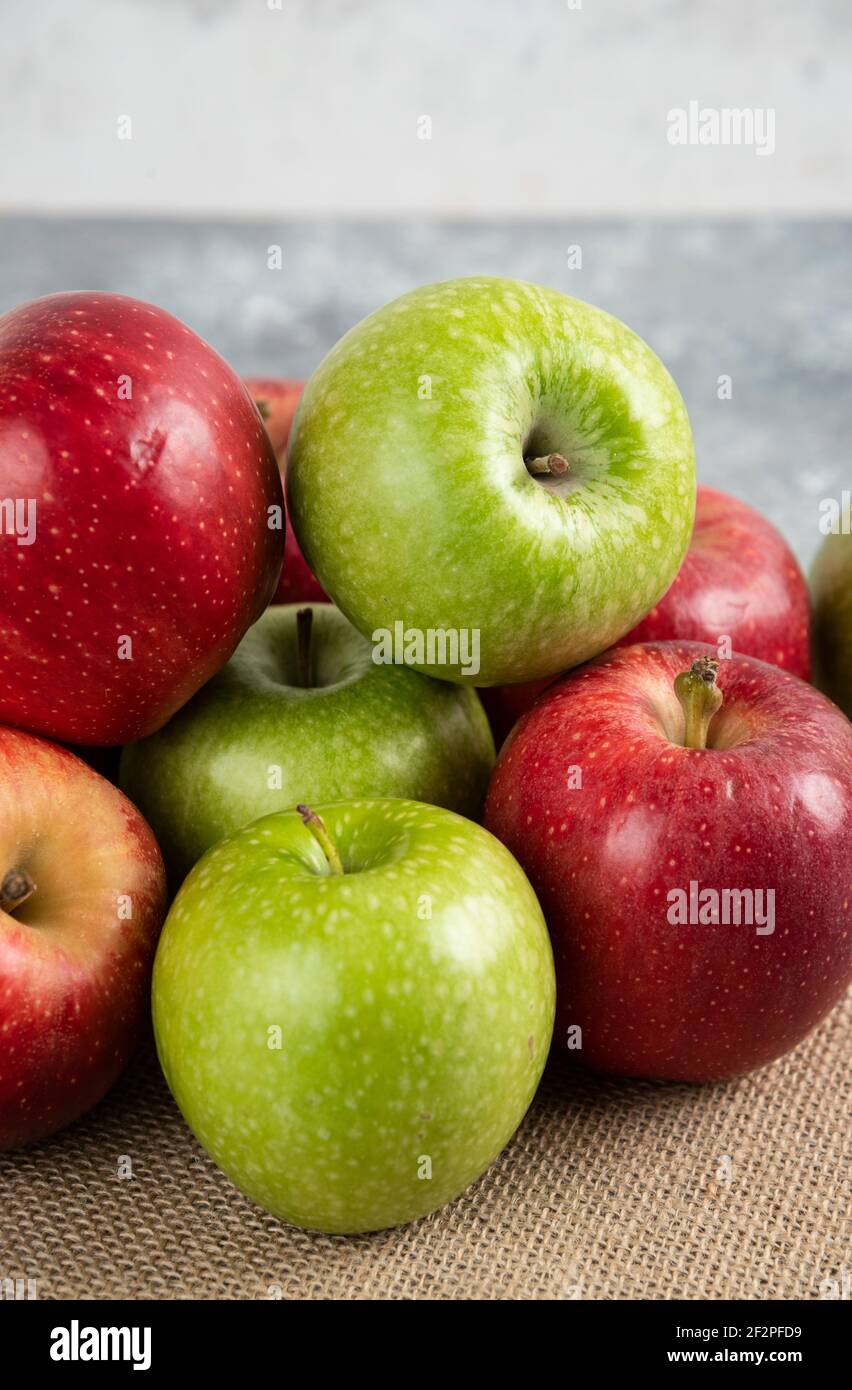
303	712
490	457
353	1005
831	584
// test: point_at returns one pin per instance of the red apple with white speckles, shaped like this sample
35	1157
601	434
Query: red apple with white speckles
277	399
141	516
635	804
82	899
739	580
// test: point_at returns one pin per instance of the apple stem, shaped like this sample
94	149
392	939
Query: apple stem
551	465
700	698
262	408
318	829
16	887
304	623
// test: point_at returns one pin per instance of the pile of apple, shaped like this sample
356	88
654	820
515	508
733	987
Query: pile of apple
491	532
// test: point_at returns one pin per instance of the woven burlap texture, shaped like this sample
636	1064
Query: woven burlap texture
610	1189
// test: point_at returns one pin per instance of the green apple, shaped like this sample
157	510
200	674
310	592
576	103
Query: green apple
302	712
831	587
489	457
353	1009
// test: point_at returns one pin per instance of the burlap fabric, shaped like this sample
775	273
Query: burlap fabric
609	1190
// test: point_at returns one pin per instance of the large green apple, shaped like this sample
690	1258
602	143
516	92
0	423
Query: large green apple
490	457
279	725
831	585
353	1012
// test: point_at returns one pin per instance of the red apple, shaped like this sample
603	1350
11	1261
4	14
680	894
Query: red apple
135	481
618	824
82	899
739	579
504	704
277	400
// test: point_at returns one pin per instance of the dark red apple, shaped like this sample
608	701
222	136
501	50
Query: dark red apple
504	704
136	481
739	580
82	899
628	836
277	400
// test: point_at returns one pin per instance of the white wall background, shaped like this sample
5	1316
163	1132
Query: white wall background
538	108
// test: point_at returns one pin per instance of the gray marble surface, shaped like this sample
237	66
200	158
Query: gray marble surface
768	304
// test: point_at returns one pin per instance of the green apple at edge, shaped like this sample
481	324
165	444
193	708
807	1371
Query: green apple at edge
354	1017
489	456
831	587
307	717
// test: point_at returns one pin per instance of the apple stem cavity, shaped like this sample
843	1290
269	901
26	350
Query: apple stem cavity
16	887
304	624
700	699
319	830
548	465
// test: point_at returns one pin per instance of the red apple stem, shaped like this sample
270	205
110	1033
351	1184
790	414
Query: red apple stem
551	465
304	624
16	887
700	698
319	830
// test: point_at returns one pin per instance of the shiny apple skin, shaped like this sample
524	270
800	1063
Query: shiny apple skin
772	810
151	516
277	399
74	975
425	510
739	579
403	1037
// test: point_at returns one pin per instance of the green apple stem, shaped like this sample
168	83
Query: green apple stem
262	408
700	698
16	887
551	465
318	829
304	623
